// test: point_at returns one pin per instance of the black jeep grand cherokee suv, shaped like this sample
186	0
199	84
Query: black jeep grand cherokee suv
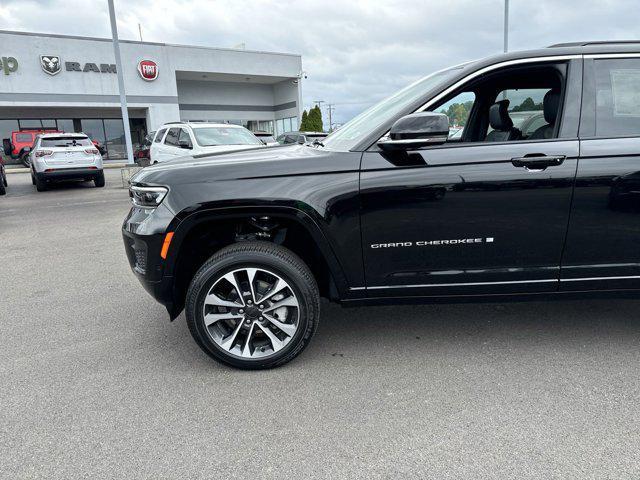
389	209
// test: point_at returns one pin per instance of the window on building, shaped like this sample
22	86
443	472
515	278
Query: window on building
617	97
65	125
94	129
114	133
6	127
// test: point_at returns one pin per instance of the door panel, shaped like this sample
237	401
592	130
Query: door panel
464	220
603	243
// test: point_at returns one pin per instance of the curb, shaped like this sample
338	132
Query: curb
105	166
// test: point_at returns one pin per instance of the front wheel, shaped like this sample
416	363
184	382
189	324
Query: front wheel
24	158
253	305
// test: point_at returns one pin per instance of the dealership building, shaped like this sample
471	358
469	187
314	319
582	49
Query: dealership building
70	84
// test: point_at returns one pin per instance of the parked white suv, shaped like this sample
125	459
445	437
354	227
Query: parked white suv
64	156
179	139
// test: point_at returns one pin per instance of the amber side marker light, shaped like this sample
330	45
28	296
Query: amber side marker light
165	245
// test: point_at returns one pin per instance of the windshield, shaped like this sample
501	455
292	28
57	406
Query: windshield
66	142
353	131
212	136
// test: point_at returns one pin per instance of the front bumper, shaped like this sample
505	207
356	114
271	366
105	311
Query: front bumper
143	233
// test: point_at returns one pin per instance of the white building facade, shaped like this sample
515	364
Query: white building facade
70	84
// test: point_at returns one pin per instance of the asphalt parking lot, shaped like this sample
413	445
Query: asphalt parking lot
95	382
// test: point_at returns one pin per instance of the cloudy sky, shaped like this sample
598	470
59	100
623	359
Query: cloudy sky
355	52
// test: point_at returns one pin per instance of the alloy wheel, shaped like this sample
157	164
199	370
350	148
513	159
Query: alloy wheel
251	313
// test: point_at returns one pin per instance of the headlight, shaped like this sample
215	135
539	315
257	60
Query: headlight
147	197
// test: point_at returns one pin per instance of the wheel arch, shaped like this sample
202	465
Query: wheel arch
197	236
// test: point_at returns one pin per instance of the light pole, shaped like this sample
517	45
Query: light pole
123	95
506	26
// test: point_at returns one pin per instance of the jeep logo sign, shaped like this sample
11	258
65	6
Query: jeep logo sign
148	70
8	65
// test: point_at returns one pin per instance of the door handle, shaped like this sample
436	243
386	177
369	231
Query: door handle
537	161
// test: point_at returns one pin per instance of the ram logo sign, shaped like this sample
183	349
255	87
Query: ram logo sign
50	64
148	70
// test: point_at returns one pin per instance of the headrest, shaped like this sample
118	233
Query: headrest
499	118
550	103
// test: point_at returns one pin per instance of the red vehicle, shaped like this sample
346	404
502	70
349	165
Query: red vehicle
15	146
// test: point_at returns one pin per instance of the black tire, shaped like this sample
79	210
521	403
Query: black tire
3	190
98	181
41	185
24	158
262	255
33	179
4	177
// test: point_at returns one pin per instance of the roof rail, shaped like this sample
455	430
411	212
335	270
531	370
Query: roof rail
189	121
596	42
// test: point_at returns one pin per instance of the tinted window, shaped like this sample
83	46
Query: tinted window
184	137
617	97
211	136
24	138
172	137
159	136
65	142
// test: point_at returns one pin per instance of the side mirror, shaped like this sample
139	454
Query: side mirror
302	140
417	130
6	146
184	144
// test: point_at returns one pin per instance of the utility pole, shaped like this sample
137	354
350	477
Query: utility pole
506	26
330	109
123	95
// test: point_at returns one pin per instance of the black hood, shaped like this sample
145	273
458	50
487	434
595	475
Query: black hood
253	163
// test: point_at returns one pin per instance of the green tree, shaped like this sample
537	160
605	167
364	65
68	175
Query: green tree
304	124
314	122
527	105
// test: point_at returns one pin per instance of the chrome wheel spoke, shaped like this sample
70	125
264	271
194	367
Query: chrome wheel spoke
246	350
211	318
287	328
213	299
287	302
275	341
228	342
280	284
251	274
231	278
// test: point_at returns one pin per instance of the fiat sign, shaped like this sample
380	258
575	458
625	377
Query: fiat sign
148	70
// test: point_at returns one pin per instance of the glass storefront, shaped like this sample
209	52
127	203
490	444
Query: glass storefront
108	131
286	125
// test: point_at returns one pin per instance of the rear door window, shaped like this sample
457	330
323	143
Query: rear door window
617	97
159	135
172	137
24	138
